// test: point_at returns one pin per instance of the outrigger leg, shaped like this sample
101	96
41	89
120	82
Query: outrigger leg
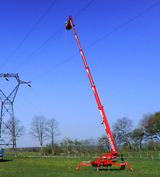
107	163
83	163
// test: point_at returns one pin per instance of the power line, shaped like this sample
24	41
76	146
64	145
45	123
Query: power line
100	39
48	42
45	104
83	9
54	67
41	47
124	24
28	34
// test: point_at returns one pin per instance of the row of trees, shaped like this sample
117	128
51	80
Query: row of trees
126	138
148	131
41	129
145	136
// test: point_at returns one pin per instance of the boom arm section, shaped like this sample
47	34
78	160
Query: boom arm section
113	152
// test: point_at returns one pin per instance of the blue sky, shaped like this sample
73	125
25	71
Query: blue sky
121	43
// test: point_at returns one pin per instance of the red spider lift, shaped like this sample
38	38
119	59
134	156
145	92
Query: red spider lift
105	159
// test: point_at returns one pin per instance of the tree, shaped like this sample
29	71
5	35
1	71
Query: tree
52	131
103	143
38	129
157	123
150	124
118	139
123	130
14	129
48	149
88	145
77	146
67	145
137	137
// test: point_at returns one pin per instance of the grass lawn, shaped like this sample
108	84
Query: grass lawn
65	167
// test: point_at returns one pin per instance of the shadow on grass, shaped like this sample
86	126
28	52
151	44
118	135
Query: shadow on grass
6	160
118	169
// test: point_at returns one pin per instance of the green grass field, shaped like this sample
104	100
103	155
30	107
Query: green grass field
65	167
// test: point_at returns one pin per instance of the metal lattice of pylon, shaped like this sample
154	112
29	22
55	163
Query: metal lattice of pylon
7	107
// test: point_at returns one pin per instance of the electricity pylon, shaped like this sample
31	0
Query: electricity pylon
7	107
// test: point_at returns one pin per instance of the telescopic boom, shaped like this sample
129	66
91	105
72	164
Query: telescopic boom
70	25
105	159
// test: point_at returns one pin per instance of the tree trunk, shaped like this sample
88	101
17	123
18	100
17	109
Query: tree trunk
52	145
41	143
